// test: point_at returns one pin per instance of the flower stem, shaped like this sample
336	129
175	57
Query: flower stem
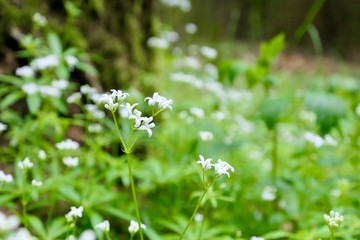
119	133
275	157
196	209
133	191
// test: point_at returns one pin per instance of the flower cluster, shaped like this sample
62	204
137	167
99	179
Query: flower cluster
67	144
26	164
74	213
104	226
5	177
221	167
318	141
333	220
162	102
134	227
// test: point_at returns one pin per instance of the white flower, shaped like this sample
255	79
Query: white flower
21	234
25	71
134	227
147	124
208	52
5	178
60	84
25	164
316	140
39	19
206	136
222	167
71	161
94	128
191	28
103	226
109	102
36	183
329	140
162	102
8	223
136	115
170	36
74	213
256	238
74	98
269	193
198	112
30	88
67	144
184	5
198	217
87	235
42	154
49	91
45	62
205	163
71	61
333	220
127	109
357	109
87	90
157	42
3	127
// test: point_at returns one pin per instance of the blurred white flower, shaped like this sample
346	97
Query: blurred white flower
21	234
30	88
87	235
26	164
316	140
198	112
71	161
357	109
60	84
36	183
186	78
87	90
157	42
163	102
198	217
205	163
41	154
184	5
75	97
134	227
211	70
329	140
74	213
67	144
42	63
269	193
146	125
206	135
71	61
188	62
218	115
191	28
95	128
103	226
8	223
5	178
3	127
208	52
39	19
25	71
333	220
49	91
256	238
170	36
222	168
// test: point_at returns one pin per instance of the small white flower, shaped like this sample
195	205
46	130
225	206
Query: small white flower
74	98
329	140
42	63
60	84
88	235
137	117
3	127
8	223
147	124
49	91
170	36
256	238
269	193
191	28
316	140
21	234
39	19
134	227
94	128
205	163
127	109
30	88
36	183
222	167
206	136
74	213
155	98
208	52
87	90
109	102
25	71
42	154
25	164
103	226
333	220
162	102
198	112
71	61
157	42
71	161
67	144
198	217
5	177
357	109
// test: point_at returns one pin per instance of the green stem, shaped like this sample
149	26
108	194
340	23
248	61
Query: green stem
133	191
331	235
196	209
275	158
119	133
107	235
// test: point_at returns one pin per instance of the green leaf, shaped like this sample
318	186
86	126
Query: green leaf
37	226
70	194
11	79
116	212
57	228
272	110
33	102
10	99
87	68
54	43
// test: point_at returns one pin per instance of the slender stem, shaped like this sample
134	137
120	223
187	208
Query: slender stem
331	235
196	209
107	235
133	191
119	133
275	158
